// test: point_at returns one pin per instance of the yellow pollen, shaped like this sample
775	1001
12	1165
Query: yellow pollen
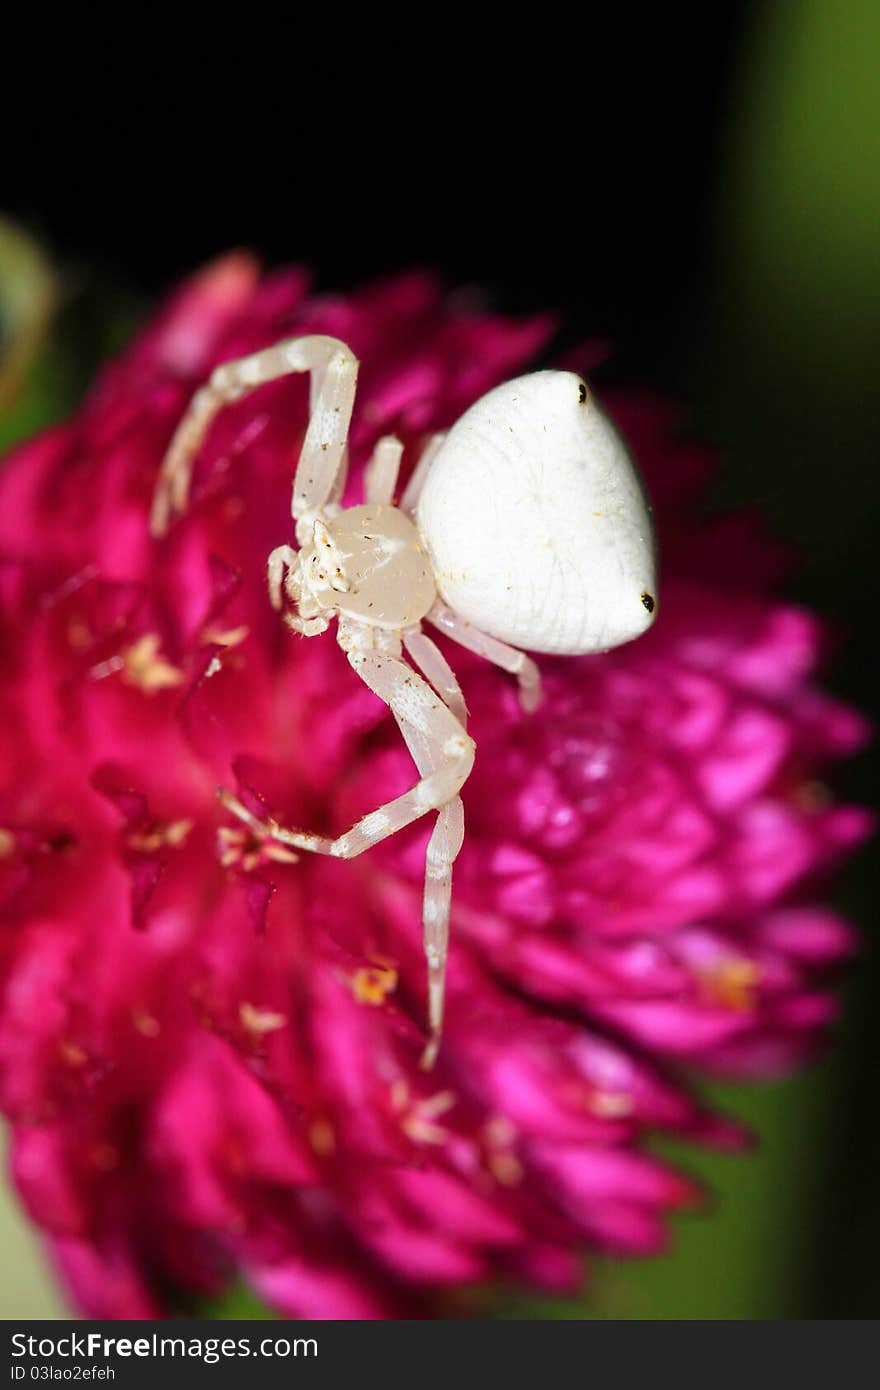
79	634
73	1054
399	1095
224	637
7	844
145	1023
505	1168
322	1137
142	666
148	841
260	1021
145	841
177	831
610	1105
235	845
499	1131
418	1118
280	854
229	844
373	983
435	1105
421	1131
732	983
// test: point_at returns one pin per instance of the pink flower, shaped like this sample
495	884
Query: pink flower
209	1047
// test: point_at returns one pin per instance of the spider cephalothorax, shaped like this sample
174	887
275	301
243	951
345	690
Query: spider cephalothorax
366	563
525	524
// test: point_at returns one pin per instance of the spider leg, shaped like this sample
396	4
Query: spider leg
433	665
282	573
382	470
446	840
306	627
334	375
444	755
499	653
413	489
282	563
334	496
441	748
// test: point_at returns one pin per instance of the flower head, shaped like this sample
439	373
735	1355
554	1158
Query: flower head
209	1043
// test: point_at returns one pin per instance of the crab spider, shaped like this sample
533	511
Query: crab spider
524	526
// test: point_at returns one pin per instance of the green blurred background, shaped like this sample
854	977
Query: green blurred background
755	298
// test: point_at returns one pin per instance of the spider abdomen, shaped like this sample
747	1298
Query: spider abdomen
535	520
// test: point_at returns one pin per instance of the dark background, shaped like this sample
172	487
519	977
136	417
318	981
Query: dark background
699	184
564	159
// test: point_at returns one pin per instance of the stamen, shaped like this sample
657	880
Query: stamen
499	1136
150	840
145	1023
322	1137
731	983
228	637
372	984
260	1021
240	847
143	667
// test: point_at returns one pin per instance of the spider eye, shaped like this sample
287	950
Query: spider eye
649	602
582	393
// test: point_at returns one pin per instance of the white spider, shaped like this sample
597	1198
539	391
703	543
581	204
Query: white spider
524	525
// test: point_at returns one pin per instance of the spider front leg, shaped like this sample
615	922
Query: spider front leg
281	570
282	574
444	755
334	376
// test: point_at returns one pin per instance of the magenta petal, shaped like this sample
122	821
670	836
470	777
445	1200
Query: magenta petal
298	1288
466	1215
42	1175
105	1283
